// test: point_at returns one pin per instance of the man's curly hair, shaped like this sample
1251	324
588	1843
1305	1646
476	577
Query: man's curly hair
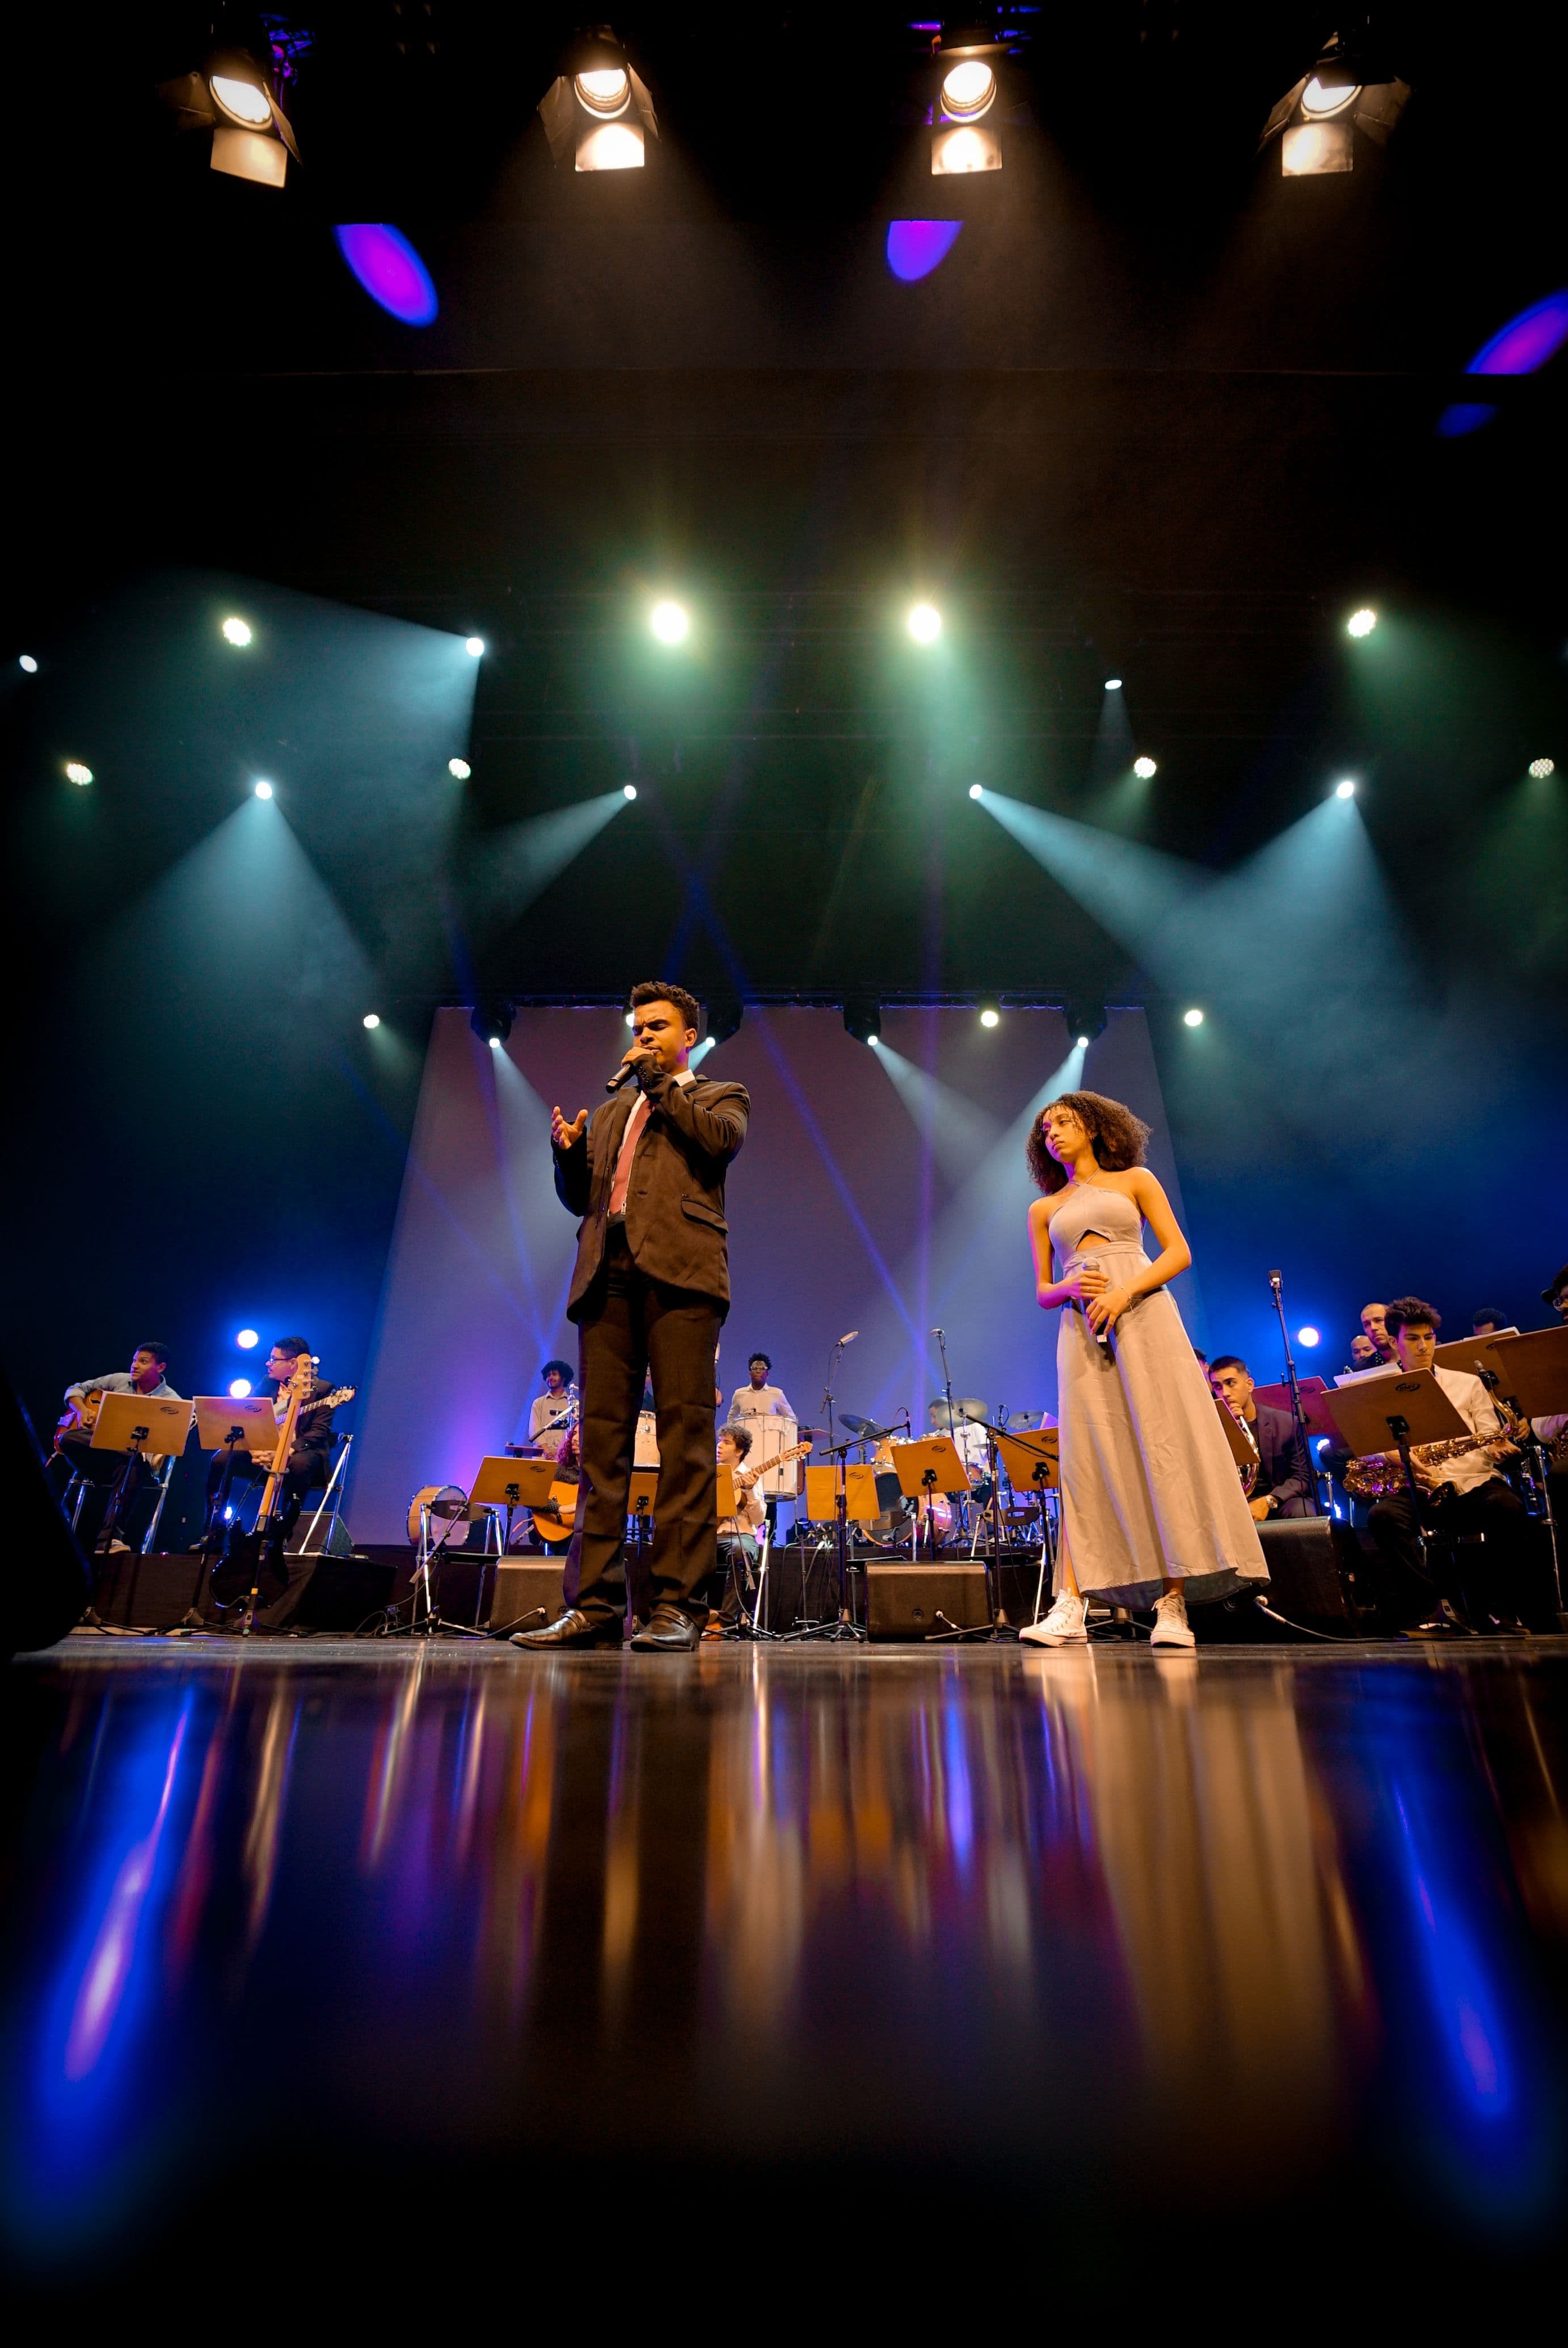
1117	1135
1410	1313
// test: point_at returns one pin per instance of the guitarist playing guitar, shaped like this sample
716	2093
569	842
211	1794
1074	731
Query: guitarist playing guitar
303	1405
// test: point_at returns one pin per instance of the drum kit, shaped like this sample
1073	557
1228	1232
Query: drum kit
1015	1499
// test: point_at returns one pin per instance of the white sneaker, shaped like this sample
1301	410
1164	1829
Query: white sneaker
1062	1627
1171	1621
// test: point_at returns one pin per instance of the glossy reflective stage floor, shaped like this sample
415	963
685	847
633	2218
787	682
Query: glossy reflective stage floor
1263	1947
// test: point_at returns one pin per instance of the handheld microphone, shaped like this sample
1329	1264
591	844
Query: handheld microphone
625	1074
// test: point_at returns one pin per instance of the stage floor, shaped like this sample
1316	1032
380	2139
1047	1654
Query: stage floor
790	1949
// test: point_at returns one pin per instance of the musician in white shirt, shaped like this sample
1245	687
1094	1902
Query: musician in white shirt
757	1398
551	1417
1463	1497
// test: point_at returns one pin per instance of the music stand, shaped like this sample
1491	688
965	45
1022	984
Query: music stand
861	1505
1033	1464
1393	1411
143	1427
926	1465
1242	1450
1474	1354
1532	1377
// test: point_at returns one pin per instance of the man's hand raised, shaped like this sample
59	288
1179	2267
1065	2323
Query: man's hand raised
564	1136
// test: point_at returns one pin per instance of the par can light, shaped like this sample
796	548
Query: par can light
968	90
629	790
1345	790
924	624
77	772
459	769
243	101
236	632
976	790
474	647
26	661
247	1339
1362	623
1541	768
990	1016
669	622
263	791
1192	1019
372	1019
239	1388
1145	769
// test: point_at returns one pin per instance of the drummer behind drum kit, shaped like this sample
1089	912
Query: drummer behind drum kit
1018	1502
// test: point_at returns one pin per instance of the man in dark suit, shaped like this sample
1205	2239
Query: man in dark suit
1280	1490
649	1292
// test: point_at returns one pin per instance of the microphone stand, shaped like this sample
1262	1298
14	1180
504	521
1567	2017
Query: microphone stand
841	1496
1297	1409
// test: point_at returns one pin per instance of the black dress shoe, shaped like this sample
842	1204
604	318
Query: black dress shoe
572	1629
670	1630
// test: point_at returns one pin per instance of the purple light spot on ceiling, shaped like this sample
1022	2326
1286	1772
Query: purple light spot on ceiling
1465	415
917	247
390	271
1526	342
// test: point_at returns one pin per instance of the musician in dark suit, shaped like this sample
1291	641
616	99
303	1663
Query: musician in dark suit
1280	1489
289	1364
649	1294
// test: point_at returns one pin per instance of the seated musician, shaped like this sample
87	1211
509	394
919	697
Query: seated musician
1281	1488
1364	1354
309	1466
1488	1320
1463	1496
74	1453
739	1534
1380	1337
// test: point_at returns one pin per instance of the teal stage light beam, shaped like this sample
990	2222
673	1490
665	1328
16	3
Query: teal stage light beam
957	1131
505	870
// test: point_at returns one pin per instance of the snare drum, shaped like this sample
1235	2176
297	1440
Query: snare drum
449	1507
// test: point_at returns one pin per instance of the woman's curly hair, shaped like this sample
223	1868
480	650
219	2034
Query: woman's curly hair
1117	1135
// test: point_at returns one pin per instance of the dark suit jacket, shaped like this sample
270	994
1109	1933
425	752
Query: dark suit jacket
1279	1466
675	1226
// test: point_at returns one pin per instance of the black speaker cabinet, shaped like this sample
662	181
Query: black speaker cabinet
527	1592
904	1601
1312	1563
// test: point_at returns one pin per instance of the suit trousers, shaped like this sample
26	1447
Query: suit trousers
632	1326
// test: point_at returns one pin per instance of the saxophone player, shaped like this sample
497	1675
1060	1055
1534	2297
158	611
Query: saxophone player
1462	1497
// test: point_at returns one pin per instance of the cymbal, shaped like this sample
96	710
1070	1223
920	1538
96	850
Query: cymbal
867	1427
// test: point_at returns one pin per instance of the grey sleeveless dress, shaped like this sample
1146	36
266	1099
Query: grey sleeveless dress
1148	1484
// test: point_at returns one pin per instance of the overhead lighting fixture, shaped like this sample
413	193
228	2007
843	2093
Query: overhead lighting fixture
629	790
1361	623
24	661
234	96
1349	88
965	138
1308	1336
77	772
491	1020
976	790
863	1018
1145	769
1541	768
1345	790
474	647
1085	1020
247	1339
1112	684
924	624
724	1014
597	109
236	632
990	1016
670	622
1194	1018
263	791
372	1020
459	769
239	1388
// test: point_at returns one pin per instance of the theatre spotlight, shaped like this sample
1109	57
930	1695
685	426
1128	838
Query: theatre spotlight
77	772
924	624
239	1388
1085	1020
990	1016
491	1020
863	1018
474	647
263	791
459	769
26	661
1145	769
236	632
629	790
372	1019
1541	768
597	109
247	1339
1308	1336
1346	789
1350	88
1361	623
670	622
965	137
1194	1018
976	790
724	1015
1112	684
234	97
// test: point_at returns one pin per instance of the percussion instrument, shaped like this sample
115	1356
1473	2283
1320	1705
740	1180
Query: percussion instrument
645	1449
447	1504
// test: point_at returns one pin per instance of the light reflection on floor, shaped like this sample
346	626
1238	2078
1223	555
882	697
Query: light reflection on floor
1287	1927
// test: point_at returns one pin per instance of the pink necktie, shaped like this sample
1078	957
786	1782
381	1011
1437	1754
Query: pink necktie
634	1124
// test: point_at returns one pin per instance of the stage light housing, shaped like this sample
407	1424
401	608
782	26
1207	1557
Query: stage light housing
77	772
239	1388
597	110
234	96
236	632
965	137
1541	768
924	624
1362	623
1308	1336
724	1012
459	769
1192	1019
1344	789
474	647
26	661
372	1019
1085	1020
1350	88
990	1016
263	791
1145	769
670	622
1112	684
247	1339
491	1020
629	790
863	1018
976	790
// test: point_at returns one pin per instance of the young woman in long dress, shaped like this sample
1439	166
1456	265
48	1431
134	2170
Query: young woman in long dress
1153	1510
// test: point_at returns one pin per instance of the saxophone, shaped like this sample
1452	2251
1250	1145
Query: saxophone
1383	1472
